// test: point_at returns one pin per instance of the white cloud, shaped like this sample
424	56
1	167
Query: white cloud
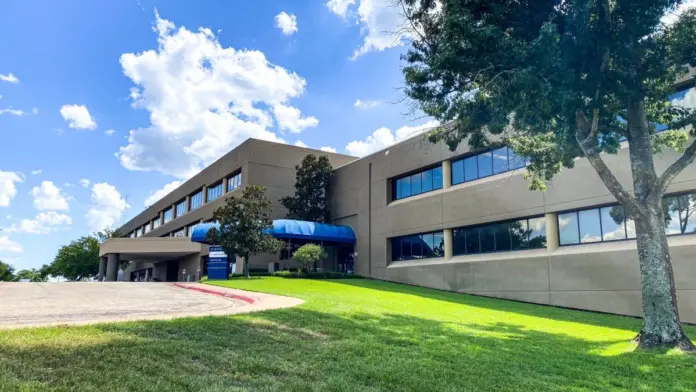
672	16
14	112
36	172
10	78
78	117
203	99
340	7
383	138
85	183
8	190
328	149
7	245
47	196
300	143
107	207
366	104
287	23
688	100
44	223
109	132
290	119
162	192
68	185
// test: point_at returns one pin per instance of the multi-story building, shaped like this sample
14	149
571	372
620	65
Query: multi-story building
460	221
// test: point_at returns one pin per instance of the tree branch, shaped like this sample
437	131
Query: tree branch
677	167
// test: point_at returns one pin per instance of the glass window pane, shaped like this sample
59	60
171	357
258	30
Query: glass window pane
428	242
416	184
406	248
687	205
439	244
671	209
590	228
457	172
398	189
519	234
396	249
427	181
568	228
516	161
537	233
472	241
416	246
470	169
630	228
405	187
502	237
459	241
500	160
487	234
437	177
613	223
485	164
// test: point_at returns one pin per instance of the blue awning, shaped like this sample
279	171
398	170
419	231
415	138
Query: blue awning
291	229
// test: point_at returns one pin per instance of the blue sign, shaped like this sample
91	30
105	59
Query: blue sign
218	266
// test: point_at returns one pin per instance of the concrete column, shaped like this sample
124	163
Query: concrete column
449	244
161	218
173	207
188	203
102	269
552	242
112	267
446	175
147	275
205	194
224	185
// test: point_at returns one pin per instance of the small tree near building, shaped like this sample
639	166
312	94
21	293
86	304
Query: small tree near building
557	80
6	272
312	181
308	255
243	222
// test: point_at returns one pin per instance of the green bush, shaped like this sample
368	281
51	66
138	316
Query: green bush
308	255
314	275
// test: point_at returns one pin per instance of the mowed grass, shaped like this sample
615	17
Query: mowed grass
350	335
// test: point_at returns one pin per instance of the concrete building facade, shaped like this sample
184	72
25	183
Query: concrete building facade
460	221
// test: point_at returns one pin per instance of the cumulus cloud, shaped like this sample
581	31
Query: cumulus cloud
290	119
47	196
366	104
328	149
340	7
162	192
300	143
7	245
673	15
688	100
107	207
8	190
287	23
204	99
78	117
10	78
109	132
44	223
36	172
383	138
85	183
14	112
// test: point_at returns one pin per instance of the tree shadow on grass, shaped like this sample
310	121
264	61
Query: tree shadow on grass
298	349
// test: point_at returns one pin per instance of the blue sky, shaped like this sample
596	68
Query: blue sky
107	105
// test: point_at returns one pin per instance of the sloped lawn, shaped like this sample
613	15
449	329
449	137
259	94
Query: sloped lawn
350	335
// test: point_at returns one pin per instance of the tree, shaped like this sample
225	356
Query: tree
308	255
78	260
33	275
6	272
243	224
312	181
559	80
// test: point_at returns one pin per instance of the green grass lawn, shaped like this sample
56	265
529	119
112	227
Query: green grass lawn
350	335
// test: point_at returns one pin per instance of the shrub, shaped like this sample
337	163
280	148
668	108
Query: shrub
314	275
308	255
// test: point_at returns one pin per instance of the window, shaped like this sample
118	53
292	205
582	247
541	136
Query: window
418	246
481	165
147	227
415	184
180	233
234	182
168	215
190	228
196	200
132	234
181	208
595	225
214	191
156	223
142	231
528	233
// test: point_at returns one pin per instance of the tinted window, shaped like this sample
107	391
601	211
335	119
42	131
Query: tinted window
416	188
487	234
458	172
537	232
406	248
405	187
502	237
612	223
427	181
459	241
437	177
515	161
568	228
196	200
417	246
472	241
686	214
428	242
439	244
500	160
590	228
671	208
418	183
519	235
396	249
485	164
470	169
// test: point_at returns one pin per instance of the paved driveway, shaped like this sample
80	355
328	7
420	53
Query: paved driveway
42	304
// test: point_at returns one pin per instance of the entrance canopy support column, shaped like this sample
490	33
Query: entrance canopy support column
102	269
112	267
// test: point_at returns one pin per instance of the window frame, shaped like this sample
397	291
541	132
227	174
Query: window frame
171	217
601	224
475	157
213	188
192	196
180	203
436	256
231	180
492	226
396	183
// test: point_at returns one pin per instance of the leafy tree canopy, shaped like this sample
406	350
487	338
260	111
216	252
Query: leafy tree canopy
6	272
33	275
79	260
308	255
312	181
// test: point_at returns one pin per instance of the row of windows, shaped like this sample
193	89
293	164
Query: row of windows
214	192
418	246
415	184
234	182
500	237
486	164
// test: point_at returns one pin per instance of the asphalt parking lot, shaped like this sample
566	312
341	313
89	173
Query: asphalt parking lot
47	304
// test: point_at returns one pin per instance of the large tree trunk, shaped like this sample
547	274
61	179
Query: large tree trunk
246	267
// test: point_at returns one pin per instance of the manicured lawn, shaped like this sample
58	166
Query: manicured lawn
350	335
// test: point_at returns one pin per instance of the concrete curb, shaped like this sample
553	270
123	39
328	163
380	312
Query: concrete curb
246	299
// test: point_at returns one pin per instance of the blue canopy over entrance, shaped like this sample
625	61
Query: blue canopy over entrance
291	229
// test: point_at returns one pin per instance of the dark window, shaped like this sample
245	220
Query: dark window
396	249
472	241
487	234
418	246
459	241
487	163
428	241
519	235
502	237
415	184
439	244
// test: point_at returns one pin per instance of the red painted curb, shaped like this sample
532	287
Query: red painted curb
248	300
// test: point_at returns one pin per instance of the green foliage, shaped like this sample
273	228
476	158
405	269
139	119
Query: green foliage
33	275
309	254
523	71
242	223
314	275
312	181
6	272
79	260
